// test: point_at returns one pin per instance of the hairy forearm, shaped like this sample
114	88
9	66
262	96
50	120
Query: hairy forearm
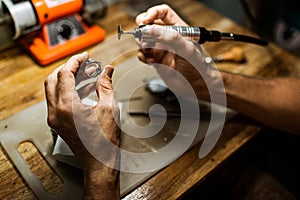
273	102
101	177
101	182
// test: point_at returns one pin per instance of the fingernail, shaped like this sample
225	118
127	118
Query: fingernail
150	60
145	29
109	71
85	52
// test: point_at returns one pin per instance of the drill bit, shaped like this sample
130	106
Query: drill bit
136	32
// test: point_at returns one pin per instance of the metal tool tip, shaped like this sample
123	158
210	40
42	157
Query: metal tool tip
120	32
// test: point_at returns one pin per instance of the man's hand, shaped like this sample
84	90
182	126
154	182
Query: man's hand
176	58
161	15
87	129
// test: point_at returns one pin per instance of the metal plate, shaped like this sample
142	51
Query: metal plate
31	125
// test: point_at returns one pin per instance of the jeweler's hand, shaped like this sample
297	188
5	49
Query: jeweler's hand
185	65
161	15
247	95
87	129
174	56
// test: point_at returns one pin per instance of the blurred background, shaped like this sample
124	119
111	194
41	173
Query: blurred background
276	20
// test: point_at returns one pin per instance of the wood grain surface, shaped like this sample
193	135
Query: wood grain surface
21	86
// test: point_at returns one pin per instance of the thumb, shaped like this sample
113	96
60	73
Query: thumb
104	85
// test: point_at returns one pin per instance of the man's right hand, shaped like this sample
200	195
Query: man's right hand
162	15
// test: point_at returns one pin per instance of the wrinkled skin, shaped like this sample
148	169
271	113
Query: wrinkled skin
174	56
69	117
272	102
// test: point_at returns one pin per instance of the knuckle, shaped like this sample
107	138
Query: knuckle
165	6
61	71
74	58
52	121
174	35
106	108
170	35
46	82
105	83
64	111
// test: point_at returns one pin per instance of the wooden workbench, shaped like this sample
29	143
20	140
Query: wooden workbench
21	86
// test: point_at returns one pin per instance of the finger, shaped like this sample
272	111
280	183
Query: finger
86	90
157	53
66	77
72	66
161	14
50	85
171	39
104	86
155	13
80	76
166	68
142	19
141	56
185	49
146	58
75	62
152	56
50	92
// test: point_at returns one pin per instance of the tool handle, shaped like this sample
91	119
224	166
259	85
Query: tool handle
199	34
235	54
202	35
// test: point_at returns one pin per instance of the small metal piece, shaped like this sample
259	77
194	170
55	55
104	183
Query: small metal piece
89	63
137	33
156	85
92	69
209	60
